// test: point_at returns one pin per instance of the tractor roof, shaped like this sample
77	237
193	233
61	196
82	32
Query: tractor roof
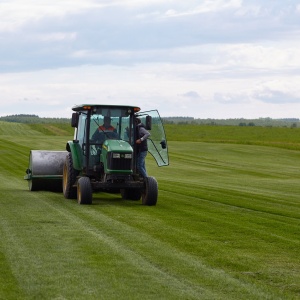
83	107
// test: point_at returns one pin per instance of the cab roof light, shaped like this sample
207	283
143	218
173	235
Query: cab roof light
136	109
87	107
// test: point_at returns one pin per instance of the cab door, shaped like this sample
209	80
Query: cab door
157	141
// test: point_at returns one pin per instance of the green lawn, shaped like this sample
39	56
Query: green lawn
226	226
287	138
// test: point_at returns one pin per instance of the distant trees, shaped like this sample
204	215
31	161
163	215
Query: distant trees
264	122
32	119
178	120
19	118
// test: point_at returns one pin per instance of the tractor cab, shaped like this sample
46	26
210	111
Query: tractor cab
113	128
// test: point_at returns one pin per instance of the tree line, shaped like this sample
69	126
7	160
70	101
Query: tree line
265	122
33	119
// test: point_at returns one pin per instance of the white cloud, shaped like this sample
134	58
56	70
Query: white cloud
280	90
57	36
208	6
159	86
238	58
218	5
16	13
191	94
260	56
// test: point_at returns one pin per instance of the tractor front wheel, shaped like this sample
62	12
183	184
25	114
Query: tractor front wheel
84	191
150	192
69	178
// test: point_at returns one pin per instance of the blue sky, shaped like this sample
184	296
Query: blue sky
205	59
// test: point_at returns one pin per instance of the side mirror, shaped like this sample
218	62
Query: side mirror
163	144
148	124
75	118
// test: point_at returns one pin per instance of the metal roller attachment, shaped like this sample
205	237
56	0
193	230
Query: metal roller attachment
45	170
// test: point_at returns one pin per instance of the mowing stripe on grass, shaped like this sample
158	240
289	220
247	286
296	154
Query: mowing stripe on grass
129	247
225	226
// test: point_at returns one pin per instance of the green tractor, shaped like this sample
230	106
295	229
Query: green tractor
101	158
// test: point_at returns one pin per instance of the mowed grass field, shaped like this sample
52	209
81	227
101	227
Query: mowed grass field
226	225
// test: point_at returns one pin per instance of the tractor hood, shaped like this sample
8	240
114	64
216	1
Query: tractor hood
119	146
116	156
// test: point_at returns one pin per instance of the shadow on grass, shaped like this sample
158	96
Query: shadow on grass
105	199
99	198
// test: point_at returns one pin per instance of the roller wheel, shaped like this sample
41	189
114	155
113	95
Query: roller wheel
69	178
32	185
150	192
84	191
131	194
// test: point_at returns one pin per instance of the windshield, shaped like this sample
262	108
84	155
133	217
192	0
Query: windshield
104	127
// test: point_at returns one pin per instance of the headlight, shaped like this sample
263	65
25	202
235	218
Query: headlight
116	155
128	155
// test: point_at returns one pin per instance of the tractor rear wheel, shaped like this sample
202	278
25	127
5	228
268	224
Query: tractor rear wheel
84	191
131	194
150	192
69	178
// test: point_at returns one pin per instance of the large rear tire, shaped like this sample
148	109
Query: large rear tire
69	178
84	191
150	192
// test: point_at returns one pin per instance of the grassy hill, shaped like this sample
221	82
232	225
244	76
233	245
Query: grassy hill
268	136
226	225
12	128
284	137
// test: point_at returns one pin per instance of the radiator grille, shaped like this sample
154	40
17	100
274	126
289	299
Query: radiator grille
121	163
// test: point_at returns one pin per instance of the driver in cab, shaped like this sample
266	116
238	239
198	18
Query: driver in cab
105	131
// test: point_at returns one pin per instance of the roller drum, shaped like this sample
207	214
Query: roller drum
45	170
47	163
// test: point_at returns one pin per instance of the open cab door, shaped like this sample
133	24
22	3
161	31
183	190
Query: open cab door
157	141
